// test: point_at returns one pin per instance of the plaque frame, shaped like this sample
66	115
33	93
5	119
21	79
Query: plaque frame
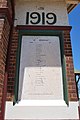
30	31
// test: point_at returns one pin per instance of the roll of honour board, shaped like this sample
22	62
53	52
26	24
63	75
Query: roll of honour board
40	76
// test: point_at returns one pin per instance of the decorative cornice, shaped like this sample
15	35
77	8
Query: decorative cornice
71	7
30	27
6	12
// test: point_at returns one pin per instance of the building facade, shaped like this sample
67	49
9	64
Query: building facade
35	48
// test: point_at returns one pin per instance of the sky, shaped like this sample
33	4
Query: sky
74	21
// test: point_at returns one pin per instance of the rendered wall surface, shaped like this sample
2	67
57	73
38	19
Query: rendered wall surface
59	8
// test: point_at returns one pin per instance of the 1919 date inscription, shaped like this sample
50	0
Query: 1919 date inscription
43	18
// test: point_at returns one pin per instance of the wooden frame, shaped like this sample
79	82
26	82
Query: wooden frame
41	31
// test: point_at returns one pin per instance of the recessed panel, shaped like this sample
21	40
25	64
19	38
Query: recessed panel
40	69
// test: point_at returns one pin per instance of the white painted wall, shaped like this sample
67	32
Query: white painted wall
41	112
56	6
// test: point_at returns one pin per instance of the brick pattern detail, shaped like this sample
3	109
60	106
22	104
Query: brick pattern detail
3	3
12	65
5	22
6	4
1	65
4	37
69	68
